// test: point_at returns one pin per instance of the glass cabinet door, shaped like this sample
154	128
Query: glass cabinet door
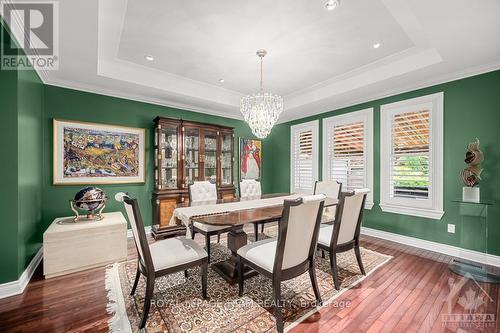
226	158
191	155
210	155
168	155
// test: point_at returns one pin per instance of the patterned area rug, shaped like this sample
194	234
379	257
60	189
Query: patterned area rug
177	305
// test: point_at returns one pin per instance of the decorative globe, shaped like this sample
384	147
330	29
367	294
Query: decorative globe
90	199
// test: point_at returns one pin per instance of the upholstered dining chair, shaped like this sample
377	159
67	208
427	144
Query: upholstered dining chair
205	191
161	257
343	235
251	188
331	189
291	254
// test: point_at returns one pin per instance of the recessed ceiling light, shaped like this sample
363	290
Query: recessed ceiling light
149	58
221	80
332	4
376	45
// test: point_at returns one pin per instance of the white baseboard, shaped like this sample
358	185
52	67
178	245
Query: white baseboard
17	287
129	231
452	251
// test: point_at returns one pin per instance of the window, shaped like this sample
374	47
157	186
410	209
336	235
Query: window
304	157
411	170
348	151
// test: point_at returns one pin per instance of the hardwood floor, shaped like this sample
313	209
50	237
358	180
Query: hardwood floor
414	292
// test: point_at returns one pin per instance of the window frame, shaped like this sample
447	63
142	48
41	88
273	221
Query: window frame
314	127
432	207
365	116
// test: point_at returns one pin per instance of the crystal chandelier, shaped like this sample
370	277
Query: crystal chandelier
261	110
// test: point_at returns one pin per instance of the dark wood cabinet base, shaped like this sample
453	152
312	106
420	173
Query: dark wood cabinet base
159	232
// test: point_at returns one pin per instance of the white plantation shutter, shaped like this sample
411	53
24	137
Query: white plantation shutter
304	151
347	150
410	154
411	157
347	158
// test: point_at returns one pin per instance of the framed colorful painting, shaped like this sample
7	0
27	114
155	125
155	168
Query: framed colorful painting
250	159
90	153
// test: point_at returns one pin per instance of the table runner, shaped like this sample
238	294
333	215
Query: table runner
186	213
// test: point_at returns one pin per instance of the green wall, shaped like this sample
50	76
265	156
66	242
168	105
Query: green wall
70	104
8	183
30	166
471	109
29	200
20	132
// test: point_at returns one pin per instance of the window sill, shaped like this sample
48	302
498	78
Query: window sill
412	211
368	205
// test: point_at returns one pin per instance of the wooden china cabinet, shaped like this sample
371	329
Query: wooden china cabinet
185	152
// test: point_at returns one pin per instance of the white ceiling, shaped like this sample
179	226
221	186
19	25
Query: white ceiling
318	60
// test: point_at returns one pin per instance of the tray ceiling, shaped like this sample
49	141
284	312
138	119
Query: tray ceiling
318	60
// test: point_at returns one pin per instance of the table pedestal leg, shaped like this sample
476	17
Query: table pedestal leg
228	269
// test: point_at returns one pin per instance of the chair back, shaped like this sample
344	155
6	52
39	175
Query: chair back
298	231
250	188
202	191
137	224
348	217
330	188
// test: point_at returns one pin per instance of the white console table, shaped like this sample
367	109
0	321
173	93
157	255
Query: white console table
71	247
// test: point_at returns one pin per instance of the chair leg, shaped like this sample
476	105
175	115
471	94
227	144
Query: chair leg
333	264
240	277
262	228
314	282
278	306
218	237
136	281
360	262
256	231
323	254
192	232
186	273
207	244
150	284
204	273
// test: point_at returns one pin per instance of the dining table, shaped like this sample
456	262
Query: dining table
237	237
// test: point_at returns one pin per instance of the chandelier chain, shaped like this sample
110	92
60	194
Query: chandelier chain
261	74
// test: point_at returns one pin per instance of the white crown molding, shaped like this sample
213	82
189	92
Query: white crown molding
17	287
136	97
304	111
111	19
293	110
387	68
452	251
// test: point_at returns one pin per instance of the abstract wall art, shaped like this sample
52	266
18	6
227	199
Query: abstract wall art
91	153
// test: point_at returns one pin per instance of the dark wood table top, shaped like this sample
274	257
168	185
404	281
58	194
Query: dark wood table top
241	217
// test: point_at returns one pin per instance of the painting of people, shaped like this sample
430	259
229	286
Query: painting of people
250	159
87	153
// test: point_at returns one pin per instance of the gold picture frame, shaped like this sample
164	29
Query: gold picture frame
95	153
